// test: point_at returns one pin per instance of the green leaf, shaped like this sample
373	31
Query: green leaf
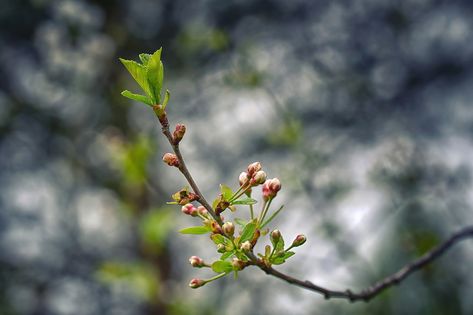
240	222
288	255
248	232
226	255
278	261
272	216
222	266
245	201
139	73
279	245
227	192
196	230
219	239
144	59
166	99
137	97
155	74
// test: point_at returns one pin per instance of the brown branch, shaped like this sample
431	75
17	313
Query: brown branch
375	289
364	295
183	168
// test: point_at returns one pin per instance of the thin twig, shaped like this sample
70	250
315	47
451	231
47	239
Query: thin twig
183	168
375	289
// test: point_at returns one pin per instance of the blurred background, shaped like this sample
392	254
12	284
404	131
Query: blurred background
361	108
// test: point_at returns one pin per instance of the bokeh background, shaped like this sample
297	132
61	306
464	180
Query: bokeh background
363	109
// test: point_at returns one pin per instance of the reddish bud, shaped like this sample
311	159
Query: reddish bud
299	240
171	159
228	228
216	228
179	133
253	168
258	178
196	283
202	210
196	261
189	209
271	188
243	178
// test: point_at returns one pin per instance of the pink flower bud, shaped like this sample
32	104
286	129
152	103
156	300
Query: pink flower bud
196	283
196	261
243	178
171	159
299	240
179	133
258	178
253	168
246	246
228	228
271	188
189	209
202	210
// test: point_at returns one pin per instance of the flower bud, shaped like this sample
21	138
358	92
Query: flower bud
221	248
216	228
228	228
196	283
271	188
196	261
299	240
258	178
243	178
246	246
202	210
179	133
189	209
238	264
253	168
171	159
275	236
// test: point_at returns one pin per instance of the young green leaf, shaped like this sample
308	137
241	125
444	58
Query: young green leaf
137	97
196	230
244	201
227	192
155	73
138	72
240	222
226	255
144	59
166	99
219	239
247	232
222	266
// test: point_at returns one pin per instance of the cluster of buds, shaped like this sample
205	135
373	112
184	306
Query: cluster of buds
254	176
271	188
171	159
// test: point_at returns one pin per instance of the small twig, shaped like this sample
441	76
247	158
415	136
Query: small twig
183	168
375	289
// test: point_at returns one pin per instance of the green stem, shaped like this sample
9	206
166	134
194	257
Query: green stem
252	212
265	211
216	277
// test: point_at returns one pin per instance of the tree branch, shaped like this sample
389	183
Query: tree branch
375	289
183	168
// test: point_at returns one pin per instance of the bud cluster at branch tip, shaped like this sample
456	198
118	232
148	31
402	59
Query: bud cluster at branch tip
178	133
271	188
171	159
